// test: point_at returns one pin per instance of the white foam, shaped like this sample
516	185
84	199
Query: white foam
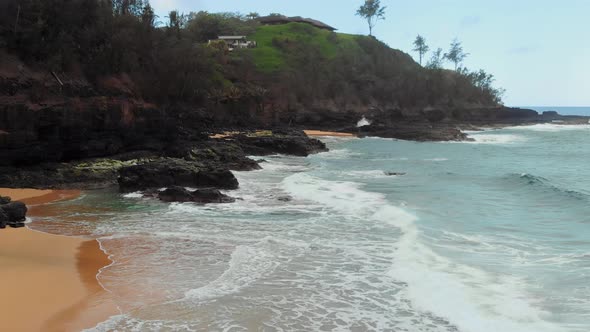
129	323
553	127
436	159
363	122
248	263
470	298
108	325
369	174
495	139
343	196
134	195
338	154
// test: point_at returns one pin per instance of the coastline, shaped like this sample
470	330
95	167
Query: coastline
49	281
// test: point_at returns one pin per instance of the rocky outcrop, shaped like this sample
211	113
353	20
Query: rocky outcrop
174	172
82	174
286	141
77	130
415	132
12	214
214	154
202	196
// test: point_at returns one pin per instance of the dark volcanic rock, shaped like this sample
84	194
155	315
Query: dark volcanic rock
290	142
497	115
204	196
3	219
211	196
285	198
214	153
174	172
415	132
5	200
175	194
15	211
61	175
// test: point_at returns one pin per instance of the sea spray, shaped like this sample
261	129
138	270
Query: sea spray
363	122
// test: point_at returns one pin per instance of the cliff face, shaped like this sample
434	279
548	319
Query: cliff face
42	120
78	129
46	120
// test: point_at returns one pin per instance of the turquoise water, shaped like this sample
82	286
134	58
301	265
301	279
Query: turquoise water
491	235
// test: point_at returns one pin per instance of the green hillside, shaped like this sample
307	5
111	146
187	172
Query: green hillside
276	41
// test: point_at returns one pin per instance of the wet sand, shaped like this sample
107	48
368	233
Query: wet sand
48	282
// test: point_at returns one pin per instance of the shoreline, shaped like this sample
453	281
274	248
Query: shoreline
49	282
320	133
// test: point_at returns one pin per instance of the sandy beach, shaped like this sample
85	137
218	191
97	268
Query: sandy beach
327	133
49	281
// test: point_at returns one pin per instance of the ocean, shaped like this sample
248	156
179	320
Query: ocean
483	236
584	110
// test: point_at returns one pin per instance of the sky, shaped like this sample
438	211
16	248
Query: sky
538	50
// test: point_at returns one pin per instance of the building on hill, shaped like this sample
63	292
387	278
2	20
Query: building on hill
234	42
280	19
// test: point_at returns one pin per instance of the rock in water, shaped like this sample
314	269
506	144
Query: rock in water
16	212
395	173
285	198
174	172
206	196
176	194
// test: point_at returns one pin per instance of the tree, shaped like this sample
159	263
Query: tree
252	16
176	22
436	60
372	12
456	54
128	7
420	47
148	17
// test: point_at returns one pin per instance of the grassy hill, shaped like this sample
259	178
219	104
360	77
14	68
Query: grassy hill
274	42
308	67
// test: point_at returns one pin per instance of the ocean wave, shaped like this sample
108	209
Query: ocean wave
137	194
369	174
338	154
248	264
543	183
436	159
468	297
501	139
552	127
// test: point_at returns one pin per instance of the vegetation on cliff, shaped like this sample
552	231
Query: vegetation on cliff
295	67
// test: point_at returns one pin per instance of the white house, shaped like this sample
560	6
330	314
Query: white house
234	42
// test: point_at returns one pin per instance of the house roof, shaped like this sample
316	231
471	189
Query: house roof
231	37
280	19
